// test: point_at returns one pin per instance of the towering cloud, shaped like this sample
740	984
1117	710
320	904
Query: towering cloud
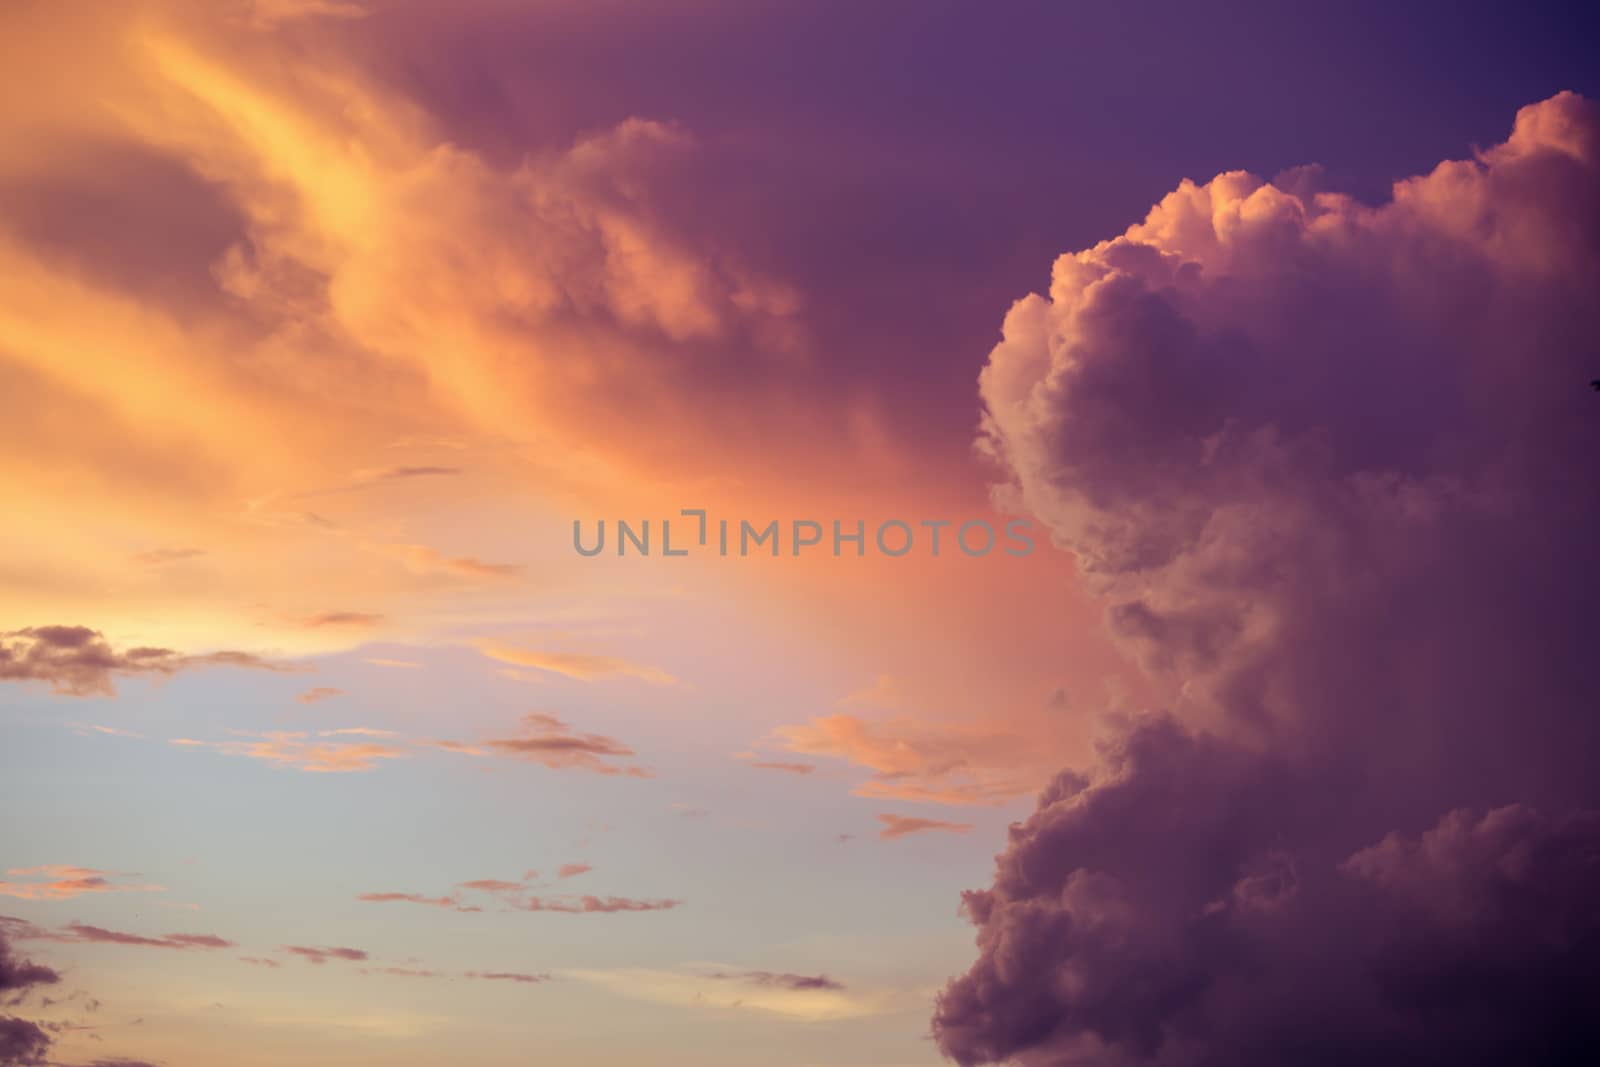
1331	467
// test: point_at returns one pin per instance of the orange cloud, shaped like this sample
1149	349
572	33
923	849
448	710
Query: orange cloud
584	668
64	883
903	826
292	749
909	760
548	740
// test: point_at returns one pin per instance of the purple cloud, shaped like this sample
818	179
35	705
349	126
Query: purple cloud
1331	467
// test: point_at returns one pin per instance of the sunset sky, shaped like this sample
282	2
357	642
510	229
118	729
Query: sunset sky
323	321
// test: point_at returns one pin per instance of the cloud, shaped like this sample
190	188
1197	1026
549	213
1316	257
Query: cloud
408	898
509	976
321	692
404	972
294	750
22	1042
99	935
78	661
64	883
83	729
157	557
802	998
20	975
420	559
586	905
582	667
549	741
920	761
320	956
904	826
269	14
496	885
787	768
1329	465
513	895
363	619
779	980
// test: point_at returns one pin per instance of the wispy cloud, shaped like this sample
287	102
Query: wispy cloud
919	761
904	826
63	883
356	619
295	750
320	956
420	559
547	740
807	998
583	667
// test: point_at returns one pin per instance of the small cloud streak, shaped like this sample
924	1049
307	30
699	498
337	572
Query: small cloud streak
918	761
57	882
98	935
321	692
509	976
779	980
295	751
578	666
786	768
588	905
549	741
420	559
359	619
904	826
319	956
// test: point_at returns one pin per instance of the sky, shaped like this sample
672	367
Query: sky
1223	374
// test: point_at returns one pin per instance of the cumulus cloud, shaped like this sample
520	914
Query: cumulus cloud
1330	466
22	1042
19	975
77	661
